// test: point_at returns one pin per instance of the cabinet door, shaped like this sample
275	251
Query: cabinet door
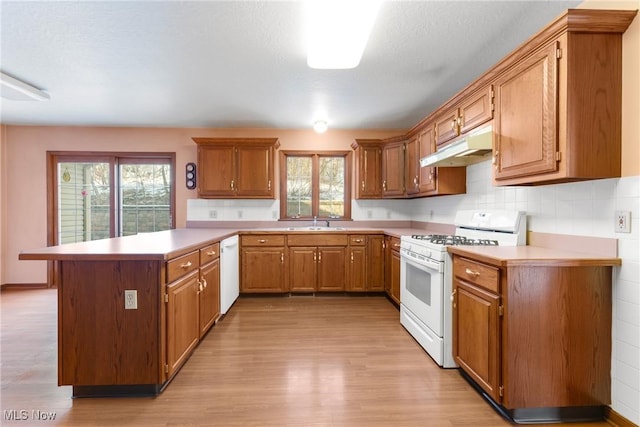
262	269
254	171
375	263
302	269
393	169
332	272
357	269
370	171
209	295
447	127
395	276
216	171
476	335
525	127
183	320
426	145
476	109
412	166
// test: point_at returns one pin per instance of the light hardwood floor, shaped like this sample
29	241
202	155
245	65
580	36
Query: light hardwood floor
298	361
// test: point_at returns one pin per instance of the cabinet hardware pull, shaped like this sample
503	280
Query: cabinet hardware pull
453	124
262	241
471	272
453	298
415	181
269	186
319	256
315	257
186	265
431	175
232	184
396	245
351	257
282	257
358	240
494	160
199	286
459	121
211	253
204	283
362	185
384	185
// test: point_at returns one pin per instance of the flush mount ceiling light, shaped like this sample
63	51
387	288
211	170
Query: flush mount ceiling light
17	90
320	126
337	31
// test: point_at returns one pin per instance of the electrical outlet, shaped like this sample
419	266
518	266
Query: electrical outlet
131	299
213	214
623	222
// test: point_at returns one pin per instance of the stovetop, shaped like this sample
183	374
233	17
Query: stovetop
453	240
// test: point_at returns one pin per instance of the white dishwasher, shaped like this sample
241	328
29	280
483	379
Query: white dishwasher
229	273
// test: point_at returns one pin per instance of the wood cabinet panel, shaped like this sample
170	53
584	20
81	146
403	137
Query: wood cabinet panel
525	133
393	169
479	274
127	349
476	346
375	261
209	253
303	269
476	109
236	167
392	268
446	126
262	269
180	266
368	182
317	239
332	271
412	166
262	240
357	269
209	304
426	146
183	319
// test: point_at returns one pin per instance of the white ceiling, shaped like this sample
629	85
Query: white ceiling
243	64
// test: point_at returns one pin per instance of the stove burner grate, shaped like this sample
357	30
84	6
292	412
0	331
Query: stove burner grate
453	240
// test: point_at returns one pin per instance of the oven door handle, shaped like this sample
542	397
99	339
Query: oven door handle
422	264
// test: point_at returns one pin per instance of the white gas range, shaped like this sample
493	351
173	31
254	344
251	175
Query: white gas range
426	274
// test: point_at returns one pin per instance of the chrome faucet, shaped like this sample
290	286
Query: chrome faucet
328	225
315	221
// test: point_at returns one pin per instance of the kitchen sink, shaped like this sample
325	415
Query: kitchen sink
311	228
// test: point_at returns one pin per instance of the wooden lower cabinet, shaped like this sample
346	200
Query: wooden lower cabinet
262	263
392	268
183	319
332	271
357	264
535	337
209	302
302	269
375	263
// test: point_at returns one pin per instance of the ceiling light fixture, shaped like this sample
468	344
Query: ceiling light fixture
337	31
17	90
320	126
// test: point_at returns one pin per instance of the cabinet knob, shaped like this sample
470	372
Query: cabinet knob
358	240
262	241
186	265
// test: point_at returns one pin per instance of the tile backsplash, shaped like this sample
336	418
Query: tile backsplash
581	208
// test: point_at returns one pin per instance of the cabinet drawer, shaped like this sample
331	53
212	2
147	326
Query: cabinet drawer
317	239
209	253
180	266
262	240
395	244
357	240
482	275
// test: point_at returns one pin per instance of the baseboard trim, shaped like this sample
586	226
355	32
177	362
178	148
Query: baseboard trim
22	286
616	419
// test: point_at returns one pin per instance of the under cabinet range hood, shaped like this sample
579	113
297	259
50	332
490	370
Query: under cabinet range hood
472	148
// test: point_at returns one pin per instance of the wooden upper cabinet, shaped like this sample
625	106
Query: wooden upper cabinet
412	166
368	169
426	145
472	111
236	167
526	141
393	169
559	102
